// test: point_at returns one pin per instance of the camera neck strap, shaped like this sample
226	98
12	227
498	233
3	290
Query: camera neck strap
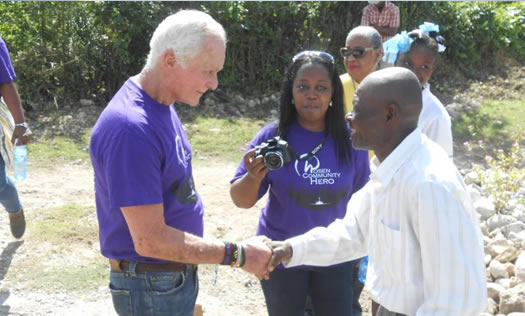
308	156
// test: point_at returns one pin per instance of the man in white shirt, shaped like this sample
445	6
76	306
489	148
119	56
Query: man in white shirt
414	218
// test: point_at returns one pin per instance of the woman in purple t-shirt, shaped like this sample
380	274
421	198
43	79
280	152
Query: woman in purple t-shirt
310	178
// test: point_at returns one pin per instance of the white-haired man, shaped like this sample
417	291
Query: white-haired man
150	215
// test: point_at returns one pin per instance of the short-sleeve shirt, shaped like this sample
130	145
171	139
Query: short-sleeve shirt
388	17
7	72
306	194
141	155
349	87
434	121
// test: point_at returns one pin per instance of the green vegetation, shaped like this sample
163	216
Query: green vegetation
54	234
49	150
72	50
66	221
221	139
495	122
493	134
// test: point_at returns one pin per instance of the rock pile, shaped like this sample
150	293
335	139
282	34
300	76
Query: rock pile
504	246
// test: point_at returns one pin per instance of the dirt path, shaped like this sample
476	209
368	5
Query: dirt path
231	292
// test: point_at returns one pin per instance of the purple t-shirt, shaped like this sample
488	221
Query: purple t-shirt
7	72
141	155
306	194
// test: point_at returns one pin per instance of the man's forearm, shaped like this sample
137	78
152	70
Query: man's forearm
175	245
386	30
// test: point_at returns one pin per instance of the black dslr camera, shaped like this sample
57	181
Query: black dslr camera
275	152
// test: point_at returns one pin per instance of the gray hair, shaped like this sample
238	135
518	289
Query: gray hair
184	33
368	32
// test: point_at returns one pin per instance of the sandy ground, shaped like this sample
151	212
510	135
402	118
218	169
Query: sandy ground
229	292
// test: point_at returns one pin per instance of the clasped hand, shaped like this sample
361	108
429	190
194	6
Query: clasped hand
263	255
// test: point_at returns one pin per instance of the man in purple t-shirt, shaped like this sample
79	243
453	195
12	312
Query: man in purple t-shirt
21	136
150	215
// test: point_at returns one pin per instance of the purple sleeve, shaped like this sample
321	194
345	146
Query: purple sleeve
7	72
134	175
265	133
362	169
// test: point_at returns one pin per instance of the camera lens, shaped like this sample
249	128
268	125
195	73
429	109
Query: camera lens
273	160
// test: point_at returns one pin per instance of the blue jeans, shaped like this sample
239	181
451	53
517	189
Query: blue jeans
329	289
8	194
154	293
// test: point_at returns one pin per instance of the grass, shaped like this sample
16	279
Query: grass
69	222
495	122
63	258
49	151
221	139
210	138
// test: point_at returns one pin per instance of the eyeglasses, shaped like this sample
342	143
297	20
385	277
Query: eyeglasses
313	53
357	52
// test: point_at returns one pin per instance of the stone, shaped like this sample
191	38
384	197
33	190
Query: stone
251	103
485	207
488	257
473	104
499	220
492	306
454	110
512	300
510	268
494	290
508	255
497	247
484	228
505	283
515	227
86	102
209	102
519	267
472	178
497	270
238	99
265	100
514	281
517	238
474	192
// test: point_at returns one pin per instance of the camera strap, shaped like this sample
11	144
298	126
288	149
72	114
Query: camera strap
310	154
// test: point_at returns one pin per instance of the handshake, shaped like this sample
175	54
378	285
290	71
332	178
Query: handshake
263	255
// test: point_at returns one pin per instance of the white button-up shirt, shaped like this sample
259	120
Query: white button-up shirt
434	121
415	221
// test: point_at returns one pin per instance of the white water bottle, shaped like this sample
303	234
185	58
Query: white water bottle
20	167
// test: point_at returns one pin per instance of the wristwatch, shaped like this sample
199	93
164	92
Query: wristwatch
23	124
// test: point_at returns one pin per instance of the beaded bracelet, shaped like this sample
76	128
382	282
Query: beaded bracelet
241	258
227	253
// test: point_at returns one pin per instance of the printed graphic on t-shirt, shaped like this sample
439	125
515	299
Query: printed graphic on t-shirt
182	156
185	191
321	192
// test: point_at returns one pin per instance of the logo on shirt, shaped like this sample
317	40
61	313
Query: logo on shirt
311	170
182	156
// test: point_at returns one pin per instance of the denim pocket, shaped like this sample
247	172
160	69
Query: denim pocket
121	301
166	283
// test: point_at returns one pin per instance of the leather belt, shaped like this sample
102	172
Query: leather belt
119	265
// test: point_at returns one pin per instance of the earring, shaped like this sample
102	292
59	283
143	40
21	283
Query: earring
293	101
330	104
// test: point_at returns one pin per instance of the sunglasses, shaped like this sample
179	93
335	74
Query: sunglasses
357	52
312	53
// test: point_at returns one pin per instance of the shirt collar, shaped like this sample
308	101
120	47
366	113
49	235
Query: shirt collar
385	171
